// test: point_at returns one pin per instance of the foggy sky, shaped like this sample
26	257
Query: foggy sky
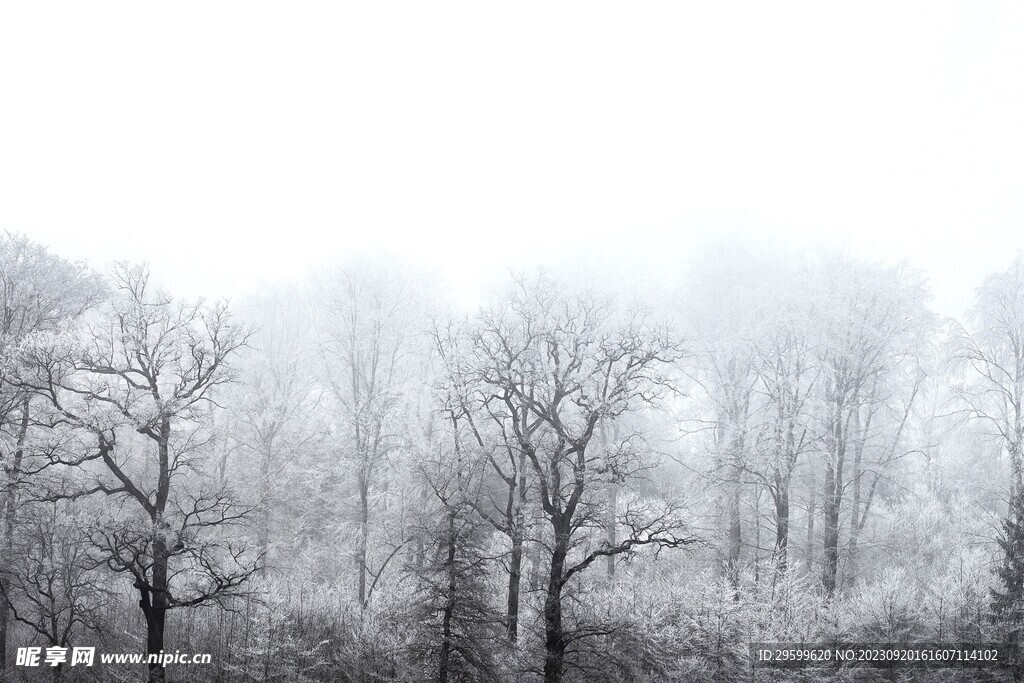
228	143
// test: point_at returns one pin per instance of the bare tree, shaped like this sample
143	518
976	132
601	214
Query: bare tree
561	365
134	388
453	607
874	321
276	413
487	422
879	439
989	360
725	311
991	356
787	376
51	584
367	337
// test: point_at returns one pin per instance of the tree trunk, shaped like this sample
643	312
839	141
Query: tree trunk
781	525
537	559
517	523
153	601
855	508
154	598
554	638
10	513
736	448
830	514
364	538
833	499
732	562
783	481
449	605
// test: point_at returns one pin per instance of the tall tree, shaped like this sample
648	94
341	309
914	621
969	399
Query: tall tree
874	320
134	387
276	414
879	437
990	356
369	335
560	365
486	421
460	628
787	374
725	310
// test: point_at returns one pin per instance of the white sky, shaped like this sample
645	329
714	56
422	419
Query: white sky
228	143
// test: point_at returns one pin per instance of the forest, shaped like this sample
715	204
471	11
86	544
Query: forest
346	476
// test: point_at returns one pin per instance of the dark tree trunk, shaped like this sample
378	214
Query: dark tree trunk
860	436
783	483
153	601
732	562
554	637
781	524
364	538
154	598
830	514
517	524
